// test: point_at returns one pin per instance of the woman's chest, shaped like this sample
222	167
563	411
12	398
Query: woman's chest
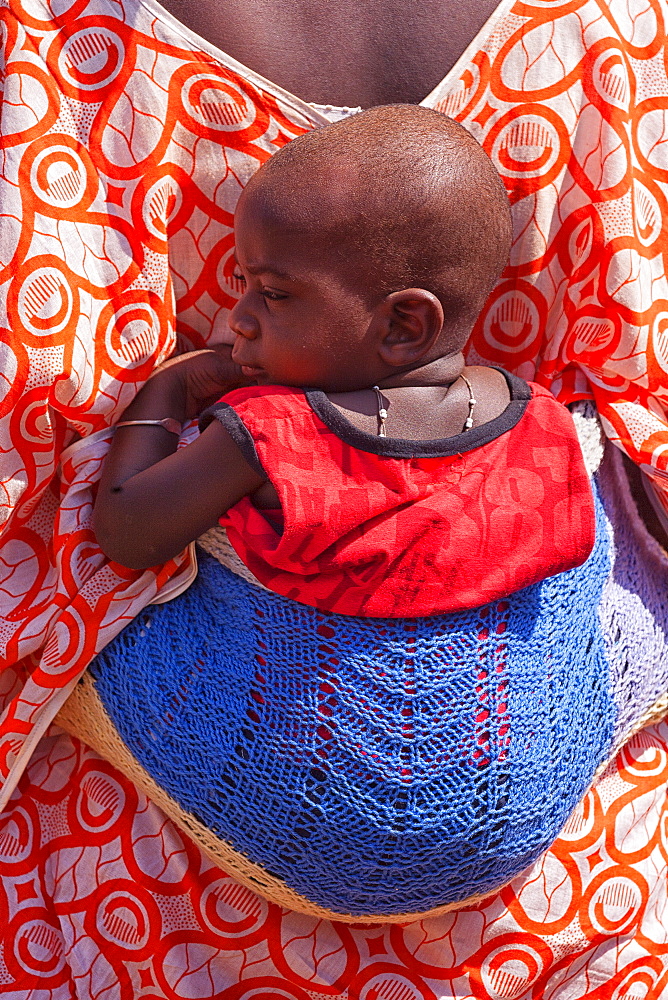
354	52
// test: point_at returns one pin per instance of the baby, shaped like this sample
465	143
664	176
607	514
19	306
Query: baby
384	718
364	270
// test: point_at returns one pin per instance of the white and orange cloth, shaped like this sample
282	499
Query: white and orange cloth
125	143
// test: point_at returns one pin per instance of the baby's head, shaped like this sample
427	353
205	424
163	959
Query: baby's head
368	248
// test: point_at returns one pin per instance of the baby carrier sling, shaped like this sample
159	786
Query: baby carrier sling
376	769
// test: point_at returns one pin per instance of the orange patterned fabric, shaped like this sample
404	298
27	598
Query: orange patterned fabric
125	143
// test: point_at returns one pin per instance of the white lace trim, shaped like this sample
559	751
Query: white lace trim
335	112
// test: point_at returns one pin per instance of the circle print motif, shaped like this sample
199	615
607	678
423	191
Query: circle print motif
122	920
510	970
216	104
127	918
133	335
17	839
512	323
100	801
528	146
58	176
36	948
611	79
45	302
234	911
613	902
31	419
383	981
91	58
638	984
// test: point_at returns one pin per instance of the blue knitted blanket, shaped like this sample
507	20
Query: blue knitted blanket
375	766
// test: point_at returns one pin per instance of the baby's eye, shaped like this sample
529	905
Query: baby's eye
238	276
272	296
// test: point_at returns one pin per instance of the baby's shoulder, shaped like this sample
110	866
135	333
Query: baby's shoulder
279	396
255	406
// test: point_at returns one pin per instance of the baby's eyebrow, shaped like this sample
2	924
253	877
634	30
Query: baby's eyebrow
267	269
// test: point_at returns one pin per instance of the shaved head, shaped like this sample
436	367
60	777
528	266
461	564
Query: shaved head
395	197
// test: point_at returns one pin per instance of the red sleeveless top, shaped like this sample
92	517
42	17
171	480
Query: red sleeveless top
383	527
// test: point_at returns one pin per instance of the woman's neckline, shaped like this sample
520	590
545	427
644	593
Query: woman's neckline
333	418
197	42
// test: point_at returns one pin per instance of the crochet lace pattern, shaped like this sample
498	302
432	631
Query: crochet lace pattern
374	766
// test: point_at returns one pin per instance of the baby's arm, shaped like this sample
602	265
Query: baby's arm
153	500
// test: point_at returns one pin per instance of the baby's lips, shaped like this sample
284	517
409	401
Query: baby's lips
237	356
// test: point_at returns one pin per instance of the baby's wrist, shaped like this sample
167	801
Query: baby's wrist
162	396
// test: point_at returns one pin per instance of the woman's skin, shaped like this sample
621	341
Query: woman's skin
348	52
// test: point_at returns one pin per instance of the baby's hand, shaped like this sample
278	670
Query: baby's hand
145	471
200	377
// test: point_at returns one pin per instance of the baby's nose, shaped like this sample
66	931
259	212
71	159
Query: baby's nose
241	322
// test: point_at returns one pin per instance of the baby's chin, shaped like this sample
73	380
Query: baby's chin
258	375
262	377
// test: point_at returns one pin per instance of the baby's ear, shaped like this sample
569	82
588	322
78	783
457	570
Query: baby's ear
409	324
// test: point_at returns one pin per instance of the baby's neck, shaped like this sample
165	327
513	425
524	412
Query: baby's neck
442	371
430	402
